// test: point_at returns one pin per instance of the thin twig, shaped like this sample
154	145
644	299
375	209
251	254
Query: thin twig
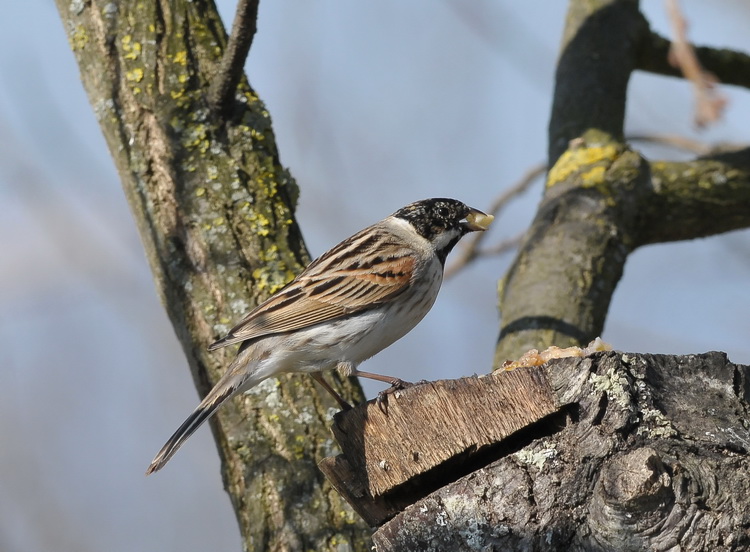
709	104
672	140
471	250
688	144
232	64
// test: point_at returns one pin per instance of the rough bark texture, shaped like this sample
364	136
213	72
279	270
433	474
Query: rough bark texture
654	456
602	198
215	210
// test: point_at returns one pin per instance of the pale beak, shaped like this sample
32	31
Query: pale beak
477	220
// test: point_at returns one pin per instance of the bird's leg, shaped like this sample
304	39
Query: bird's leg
396	384
317	376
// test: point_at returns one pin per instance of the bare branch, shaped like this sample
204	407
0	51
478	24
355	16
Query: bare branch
729	66
672	140
709	103
471	250
233	62
687	144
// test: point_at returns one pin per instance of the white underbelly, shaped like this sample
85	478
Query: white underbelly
353	339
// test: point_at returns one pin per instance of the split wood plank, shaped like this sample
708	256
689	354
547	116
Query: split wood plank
429	428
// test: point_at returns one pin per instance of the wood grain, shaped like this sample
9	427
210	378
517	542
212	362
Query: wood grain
395	452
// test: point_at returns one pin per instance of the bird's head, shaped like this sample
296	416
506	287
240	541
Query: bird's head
443	221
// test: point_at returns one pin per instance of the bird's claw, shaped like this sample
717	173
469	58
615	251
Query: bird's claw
396	385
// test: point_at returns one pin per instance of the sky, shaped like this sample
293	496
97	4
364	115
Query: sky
374	105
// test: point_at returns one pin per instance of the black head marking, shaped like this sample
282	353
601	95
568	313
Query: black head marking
431	217
440	220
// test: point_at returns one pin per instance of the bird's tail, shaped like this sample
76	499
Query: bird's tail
225	388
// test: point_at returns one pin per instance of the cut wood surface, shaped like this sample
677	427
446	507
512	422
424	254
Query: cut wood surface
429	434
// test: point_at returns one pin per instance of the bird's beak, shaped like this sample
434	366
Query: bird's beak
477	220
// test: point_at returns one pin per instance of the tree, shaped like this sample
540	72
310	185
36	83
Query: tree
150	72
215	210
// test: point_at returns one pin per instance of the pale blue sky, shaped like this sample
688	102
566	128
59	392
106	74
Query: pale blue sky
374	105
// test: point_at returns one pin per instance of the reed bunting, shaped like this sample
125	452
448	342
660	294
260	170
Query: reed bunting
349	304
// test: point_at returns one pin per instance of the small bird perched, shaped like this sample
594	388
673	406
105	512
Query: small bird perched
346	306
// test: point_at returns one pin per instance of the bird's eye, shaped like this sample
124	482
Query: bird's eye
443	212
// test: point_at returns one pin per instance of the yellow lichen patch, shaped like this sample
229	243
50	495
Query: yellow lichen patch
197	138
180	58
261	223
132	49
79	38
270	253
594	176
578	159
134	75
299	447
200	192
270	280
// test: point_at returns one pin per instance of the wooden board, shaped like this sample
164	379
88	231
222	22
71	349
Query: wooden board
389	455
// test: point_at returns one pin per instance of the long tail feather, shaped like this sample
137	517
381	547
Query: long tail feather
222	391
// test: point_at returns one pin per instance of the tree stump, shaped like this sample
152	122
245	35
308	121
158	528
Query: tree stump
609	452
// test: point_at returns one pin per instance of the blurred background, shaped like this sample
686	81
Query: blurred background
375	105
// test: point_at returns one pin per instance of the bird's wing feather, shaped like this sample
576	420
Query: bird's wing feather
366	270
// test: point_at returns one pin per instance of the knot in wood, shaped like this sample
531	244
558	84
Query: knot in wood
637	482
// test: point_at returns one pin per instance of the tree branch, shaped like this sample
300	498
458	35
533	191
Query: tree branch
590	90
602	200
558	290
559	287
231	69
696	199
729	66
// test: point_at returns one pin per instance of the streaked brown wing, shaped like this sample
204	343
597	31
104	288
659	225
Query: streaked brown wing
366	270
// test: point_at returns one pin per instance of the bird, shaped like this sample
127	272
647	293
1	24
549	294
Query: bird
349	304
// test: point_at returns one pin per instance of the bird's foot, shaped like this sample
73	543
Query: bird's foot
396	385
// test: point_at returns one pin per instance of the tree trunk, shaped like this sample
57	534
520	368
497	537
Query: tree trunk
215	210
640	452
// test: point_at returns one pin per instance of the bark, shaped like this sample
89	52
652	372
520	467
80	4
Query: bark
653	455
728	66
215	210
603	199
